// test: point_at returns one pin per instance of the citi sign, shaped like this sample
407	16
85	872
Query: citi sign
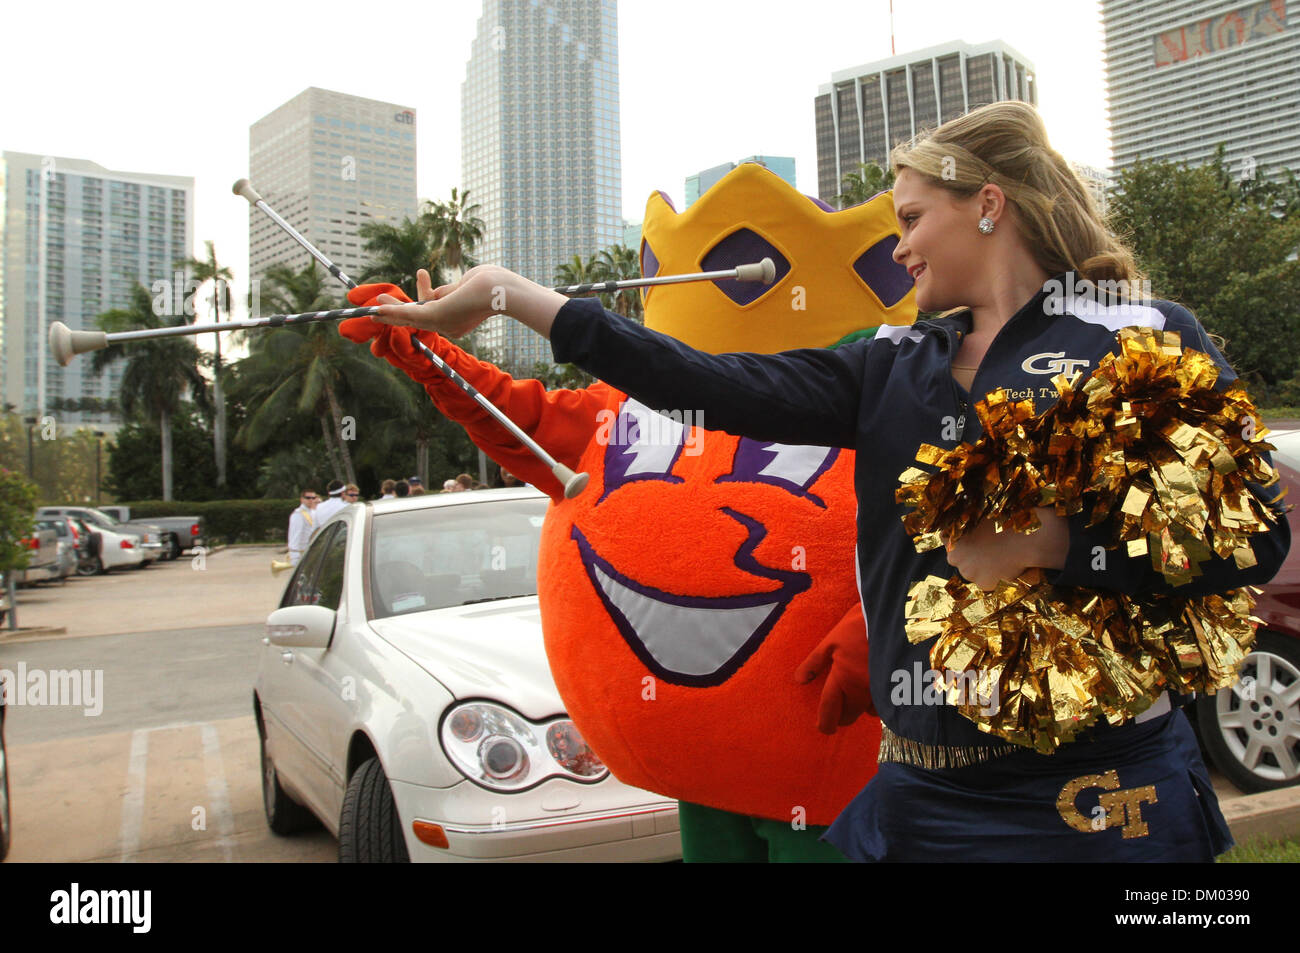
405	116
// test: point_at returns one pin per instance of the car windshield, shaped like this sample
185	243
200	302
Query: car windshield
1288	447
444	556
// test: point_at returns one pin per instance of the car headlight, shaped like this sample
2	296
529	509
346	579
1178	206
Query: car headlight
499	749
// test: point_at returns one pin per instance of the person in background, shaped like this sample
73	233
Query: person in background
450	486
386	490
351	494
401	490
301	523
329	507
466	481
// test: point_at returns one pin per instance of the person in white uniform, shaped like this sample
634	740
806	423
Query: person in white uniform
330	506
301	523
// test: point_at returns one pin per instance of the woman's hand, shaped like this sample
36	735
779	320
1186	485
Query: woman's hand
485	290
983	556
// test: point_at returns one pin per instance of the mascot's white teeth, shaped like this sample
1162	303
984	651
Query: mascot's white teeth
693	640
684	639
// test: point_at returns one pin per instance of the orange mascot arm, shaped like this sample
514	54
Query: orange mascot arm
561	421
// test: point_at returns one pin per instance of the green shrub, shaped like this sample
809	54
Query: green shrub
17	517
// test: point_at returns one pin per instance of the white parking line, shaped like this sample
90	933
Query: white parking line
217	791
128	838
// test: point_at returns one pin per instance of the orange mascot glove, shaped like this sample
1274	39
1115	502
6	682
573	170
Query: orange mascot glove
847	692
386	340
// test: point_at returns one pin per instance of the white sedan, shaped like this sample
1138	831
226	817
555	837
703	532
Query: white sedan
403	697
116	550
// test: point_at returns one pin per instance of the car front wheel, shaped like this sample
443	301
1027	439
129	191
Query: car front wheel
370	832
90	567
1252	730
284	815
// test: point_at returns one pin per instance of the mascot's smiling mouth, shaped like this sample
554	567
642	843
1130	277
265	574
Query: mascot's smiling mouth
693	640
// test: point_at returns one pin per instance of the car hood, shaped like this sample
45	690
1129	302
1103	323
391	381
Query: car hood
489	650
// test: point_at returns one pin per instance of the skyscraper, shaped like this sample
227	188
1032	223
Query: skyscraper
327	162
76	240
1185	77
540	143
862	113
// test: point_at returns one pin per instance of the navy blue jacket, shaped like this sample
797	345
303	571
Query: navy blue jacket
883	398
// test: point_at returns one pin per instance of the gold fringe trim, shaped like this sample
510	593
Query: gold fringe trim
897	750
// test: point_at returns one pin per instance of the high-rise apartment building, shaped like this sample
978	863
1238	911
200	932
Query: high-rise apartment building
862	113
1186	77
540	143
327	162
701	182
1097	182
76	239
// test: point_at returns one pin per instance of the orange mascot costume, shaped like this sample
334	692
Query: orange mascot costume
683	588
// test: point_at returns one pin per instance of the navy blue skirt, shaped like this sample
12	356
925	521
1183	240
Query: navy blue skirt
1130	794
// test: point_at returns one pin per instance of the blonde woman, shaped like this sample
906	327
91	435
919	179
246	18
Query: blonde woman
998	233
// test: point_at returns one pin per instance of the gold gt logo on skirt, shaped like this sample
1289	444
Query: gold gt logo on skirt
1114	807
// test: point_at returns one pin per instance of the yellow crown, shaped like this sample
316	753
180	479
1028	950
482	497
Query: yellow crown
835	273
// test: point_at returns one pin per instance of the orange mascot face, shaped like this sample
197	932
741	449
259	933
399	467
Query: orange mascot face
698	569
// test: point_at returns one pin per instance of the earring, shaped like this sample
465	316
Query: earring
986	226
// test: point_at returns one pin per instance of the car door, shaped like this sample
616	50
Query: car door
282	707
324	688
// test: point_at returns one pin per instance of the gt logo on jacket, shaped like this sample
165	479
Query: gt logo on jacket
1057	363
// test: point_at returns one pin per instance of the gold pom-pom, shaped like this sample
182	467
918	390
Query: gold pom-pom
1144	446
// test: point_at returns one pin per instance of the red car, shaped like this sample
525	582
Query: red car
1252	732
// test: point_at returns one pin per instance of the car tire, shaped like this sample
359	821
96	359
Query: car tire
284	815
1250	733
176	549
370	832
91	567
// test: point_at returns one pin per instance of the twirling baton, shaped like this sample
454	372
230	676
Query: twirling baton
65	343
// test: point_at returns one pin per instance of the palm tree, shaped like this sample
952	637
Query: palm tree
455	228
309	370
205	271
159	371
869	180
396	252
621	263
575	271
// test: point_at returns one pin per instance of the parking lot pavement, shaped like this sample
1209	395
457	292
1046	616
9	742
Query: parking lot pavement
172	793
232	586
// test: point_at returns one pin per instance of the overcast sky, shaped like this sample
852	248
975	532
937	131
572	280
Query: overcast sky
172	88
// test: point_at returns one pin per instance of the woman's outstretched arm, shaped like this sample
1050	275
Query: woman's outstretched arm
809	396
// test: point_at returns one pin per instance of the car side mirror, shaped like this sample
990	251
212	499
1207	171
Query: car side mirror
302	627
